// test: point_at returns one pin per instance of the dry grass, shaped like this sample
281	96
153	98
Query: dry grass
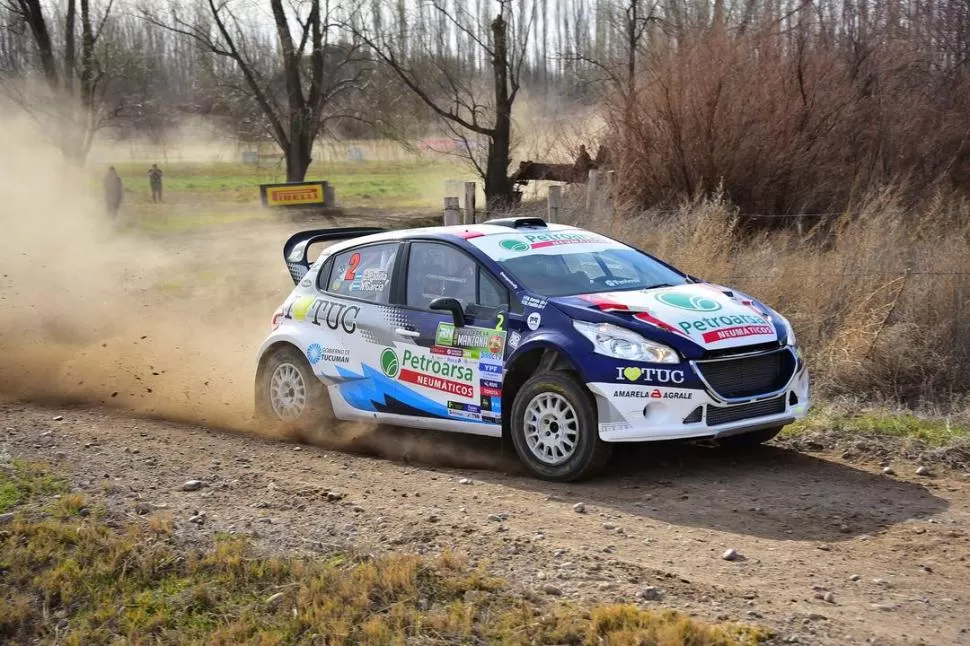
70	575
880	301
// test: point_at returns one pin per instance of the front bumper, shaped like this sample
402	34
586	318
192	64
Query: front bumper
629	413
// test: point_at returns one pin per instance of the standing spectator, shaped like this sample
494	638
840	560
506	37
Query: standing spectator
155	178
582	165
113	190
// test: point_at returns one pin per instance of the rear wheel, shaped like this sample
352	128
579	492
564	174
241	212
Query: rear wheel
290	397
750	439
554	428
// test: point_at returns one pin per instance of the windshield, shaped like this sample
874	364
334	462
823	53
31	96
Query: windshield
617	268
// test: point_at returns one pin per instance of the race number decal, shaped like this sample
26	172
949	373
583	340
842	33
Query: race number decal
352	268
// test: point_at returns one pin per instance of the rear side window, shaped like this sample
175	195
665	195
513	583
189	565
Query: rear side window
364	272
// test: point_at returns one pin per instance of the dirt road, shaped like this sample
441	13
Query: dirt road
830	552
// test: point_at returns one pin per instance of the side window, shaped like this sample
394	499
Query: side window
491	293
436	270
364	272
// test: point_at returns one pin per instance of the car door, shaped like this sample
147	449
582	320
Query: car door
348	324
454	371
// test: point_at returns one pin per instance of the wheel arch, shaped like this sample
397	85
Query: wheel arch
271	349
540	357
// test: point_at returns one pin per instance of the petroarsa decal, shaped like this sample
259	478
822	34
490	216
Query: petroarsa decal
429	372
634	374
720	328
323	312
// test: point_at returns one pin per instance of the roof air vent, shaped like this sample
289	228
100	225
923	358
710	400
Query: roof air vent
518	223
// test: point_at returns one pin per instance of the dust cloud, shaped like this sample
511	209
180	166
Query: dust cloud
93	313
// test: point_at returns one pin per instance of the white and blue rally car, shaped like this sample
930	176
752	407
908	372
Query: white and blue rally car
561	340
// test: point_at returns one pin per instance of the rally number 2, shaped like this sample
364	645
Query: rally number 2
352	268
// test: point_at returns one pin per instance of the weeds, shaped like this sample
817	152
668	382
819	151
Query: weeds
73	577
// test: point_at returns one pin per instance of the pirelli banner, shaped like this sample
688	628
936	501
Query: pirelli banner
305	194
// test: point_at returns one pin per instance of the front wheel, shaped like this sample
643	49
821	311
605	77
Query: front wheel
554	428
290	397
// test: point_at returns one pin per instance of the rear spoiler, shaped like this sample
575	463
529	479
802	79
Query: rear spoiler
295	249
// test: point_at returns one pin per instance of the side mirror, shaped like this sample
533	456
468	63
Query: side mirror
448	304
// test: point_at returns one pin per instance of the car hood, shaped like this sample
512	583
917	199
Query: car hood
711	316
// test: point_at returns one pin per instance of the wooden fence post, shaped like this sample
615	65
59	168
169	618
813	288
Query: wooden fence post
452	212
555	203
469	203
608	188
592	192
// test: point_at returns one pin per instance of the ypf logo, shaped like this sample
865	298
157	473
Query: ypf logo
511	244
390	365
688	302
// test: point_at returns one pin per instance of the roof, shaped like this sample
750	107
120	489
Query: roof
460	231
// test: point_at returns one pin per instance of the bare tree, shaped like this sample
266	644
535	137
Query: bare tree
316	72
77	87
453	93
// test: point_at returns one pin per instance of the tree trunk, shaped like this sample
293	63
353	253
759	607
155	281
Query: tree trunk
498	187
299	154
34	16
300	140
70	50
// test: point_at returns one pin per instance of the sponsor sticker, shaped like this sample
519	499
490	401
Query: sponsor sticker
534	320
534	302
689	302
323	312
650	375
514	339
435	382
615	427
314	353
390	365
656	393
335	355
491	368
474	338
736	332
429	372
542	240
749	324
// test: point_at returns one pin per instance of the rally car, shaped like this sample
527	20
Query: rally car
560	340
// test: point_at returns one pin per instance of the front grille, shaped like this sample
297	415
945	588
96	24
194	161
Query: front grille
716	416
749	376
742	349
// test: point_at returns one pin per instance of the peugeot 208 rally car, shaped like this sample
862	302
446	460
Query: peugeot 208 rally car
561	340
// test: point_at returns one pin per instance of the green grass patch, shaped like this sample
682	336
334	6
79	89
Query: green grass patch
21	482
936	432
71	578
372	184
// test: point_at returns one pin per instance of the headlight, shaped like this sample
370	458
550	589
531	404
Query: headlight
621	343
789	331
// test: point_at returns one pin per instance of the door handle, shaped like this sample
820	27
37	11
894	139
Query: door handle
411	333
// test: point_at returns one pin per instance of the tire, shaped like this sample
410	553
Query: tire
308	417
555	403
751	438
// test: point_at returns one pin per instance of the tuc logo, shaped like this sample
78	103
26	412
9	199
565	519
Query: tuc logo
336	316
689	302
650	375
